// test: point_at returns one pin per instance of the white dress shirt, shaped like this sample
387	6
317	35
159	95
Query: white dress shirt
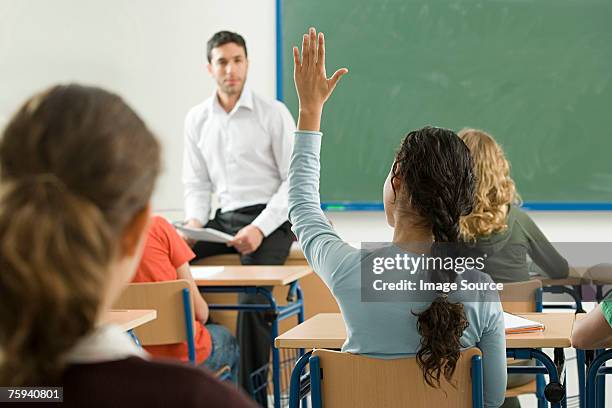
242	155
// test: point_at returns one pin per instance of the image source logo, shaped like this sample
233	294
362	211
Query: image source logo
403	273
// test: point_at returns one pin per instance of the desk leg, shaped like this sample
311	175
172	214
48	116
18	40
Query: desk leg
580	365
300	297
275	352
555	390
276	366
598	293
601	384
578	292
295	383
595	394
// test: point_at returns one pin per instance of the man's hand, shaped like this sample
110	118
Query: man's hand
247	240
191	223
313	87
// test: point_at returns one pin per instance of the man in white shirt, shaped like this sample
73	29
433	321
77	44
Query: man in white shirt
238	145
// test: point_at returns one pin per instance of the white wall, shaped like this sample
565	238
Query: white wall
152	53
558	226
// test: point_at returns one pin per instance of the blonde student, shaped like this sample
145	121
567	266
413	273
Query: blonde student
497	226
430	185
78	168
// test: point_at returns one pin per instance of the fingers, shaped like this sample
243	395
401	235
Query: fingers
296	58
305	59
321	53
242	246
312	33
336	77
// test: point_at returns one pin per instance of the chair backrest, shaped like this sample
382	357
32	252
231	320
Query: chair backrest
350	380
522	297
165	297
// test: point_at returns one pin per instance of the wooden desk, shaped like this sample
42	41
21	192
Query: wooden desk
557	332
129	319
257	280
278	275
327	330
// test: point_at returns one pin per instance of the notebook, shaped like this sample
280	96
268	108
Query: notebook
515	324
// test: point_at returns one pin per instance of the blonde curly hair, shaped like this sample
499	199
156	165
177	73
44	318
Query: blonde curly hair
495	188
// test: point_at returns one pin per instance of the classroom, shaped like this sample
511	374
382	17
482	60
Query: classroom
272	203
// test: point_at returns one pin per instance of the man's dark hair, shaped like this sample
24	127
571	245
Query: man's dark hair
224	37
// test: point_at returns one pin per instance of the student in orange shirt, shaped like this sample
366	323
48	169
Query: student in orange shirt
166	257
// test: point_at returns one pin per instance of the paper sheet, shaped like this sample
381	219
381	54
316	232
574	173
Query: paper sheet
204	234
205	272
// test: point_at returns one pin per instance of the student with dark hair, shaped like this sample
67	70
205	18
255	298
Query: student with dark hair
430	186
78	168
238	145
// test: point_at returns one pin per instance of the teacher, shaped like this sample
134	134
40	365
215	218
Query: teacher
238	145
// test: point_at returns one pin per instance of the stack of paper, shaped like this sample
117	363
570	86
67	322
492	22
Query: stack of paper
204	234
516	324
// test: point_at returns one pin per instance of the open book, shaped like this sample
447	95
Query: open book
204	234
515	324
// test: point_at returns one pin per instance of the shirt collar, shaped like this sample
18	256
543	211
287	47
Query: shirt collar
105	343
245	101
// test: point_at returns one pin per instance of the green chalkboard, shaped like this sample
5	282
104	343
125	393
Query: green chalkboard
536	74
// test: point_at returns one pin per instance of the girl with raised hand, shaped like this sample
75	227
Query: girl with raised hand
78	168
430	186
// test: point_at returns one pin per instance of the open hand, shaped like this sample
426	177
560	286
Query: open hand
311	82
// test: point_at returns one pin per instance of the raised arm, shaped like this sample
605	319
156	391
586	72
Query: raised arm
322	247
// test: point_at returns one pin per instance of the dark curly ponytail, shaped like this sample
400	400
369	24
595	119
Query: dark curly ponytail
435	168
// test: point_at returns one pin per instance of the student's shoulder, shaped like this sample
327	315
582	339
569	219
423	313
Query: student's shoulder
518	215
160	226
521	220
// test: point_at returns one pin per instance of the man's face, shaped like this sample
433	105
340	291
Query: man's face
228	66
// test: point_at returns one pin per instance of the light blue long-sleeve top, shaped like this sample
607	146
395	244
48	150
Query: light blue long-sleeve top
380	329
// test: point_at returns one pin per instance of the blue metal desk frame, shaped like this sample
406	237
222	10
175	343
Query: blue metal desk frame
295	306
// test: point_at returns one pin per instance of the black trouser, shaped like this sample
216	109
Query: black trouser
254	329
